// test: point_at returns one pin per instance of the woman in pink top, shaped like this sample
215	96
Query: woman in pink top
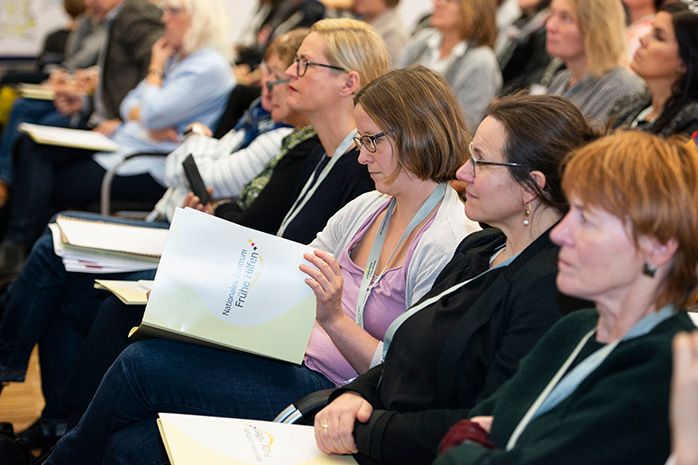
405	232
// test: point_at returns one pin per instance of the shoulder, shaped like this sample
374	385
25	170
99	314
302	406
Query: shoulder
620	77
365	204
204	61
628	106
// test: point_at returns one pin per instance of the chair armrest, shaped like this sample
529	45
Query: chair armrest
303	410
108	179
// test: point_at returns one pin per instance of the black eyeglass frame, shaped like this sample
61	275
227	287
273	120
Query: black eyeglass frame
307	62
368	142
474	161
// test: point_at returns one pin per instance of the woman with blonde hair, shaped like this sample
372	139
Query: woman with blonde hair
595	388
459	46
588	36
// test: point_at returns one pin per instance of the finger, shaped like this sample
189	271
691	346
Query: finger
330	260
364	413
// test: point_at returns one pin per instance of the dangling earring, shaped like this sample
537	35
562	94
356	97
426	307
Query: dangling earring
649	269
527	212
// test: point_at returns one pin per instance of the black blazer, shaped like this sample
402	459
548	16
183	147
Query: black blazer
131	36
481	352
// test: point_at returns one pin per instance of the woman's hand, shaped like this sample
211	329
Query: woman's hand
67	102
192	201
108	127
160	53
485	422
164	135
198	128
334	425
684	398
327	282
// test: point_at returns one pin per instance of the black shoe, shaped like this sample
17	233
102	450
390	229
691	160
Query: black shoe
12	258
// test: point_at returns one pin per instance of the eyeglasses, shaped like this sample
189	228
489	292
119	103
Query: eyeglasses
369	142
474	161
302	66
270	85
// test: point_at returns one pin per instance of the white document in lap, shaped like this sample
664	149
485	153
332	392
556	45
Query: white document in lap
225	285
194	440
65	137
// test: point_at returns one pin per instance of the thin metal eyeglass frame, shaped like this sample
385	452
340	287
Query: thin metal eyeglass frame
368	142
476	162
307	62
270	85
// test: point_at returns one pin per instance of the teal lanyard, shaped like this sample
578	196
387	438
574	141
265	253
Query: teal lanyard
313	183
559	388
377	247
392	329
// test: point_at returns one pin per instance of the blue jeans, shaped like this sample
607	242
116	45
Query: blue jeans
159	375
25	111
54	308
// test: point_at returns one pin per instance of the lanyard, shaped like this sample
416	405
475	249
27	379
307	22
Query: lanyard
558	390
313	183
377	247
390	333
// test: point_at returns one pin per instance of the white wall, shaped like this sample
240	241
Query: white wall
24	23
410	10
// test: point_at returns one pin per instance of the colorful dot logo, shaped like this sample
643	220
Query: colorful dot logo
252	244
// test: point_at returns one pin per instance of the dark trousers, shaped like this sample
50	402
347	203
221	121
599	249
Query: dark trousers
49	179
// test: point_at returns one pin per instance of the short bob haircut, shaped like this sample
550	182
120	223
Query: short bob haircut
541	131
210	25
478	21
602	25
418	110
354	46
652	185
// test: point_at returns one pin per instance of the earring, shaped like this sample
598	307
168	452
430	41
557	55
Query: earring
527	212
649	269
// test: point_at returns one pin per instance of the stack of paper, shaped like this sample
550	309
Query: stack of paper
103	247
193	440
129	292
36	91
77	138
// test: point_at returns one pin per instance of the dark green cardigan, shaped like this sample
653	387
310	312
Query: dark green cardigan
617	415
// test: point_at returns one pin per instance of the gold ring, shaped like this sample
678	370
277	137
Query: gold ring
324	427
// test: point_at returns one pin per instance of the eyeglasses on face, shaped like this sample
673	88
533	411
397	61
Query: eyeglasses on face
303	63
475	162
369	142
270	84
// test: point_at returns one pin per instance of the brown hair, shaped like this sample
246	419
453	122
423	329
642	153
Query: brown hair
541	131
652	185
418	109
286	45
478	21
355	46
74	8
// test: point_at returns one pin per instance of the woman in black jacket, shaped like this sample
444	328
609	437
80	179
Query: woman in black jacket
488	307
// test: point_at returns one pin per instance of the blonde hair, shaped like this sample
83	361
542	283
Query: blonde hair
602	25
431	138
651	184
210	26
354	46
478	21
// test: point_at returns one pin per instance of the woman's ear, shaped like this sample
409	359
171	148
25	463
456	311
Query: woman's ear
655	252
352	81
530	194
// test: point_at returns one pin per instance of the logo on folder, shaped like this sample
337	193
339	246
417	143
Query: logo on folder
247	270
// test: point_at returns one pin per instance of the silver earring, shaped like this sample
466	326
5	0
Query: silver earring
649	269
527	212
